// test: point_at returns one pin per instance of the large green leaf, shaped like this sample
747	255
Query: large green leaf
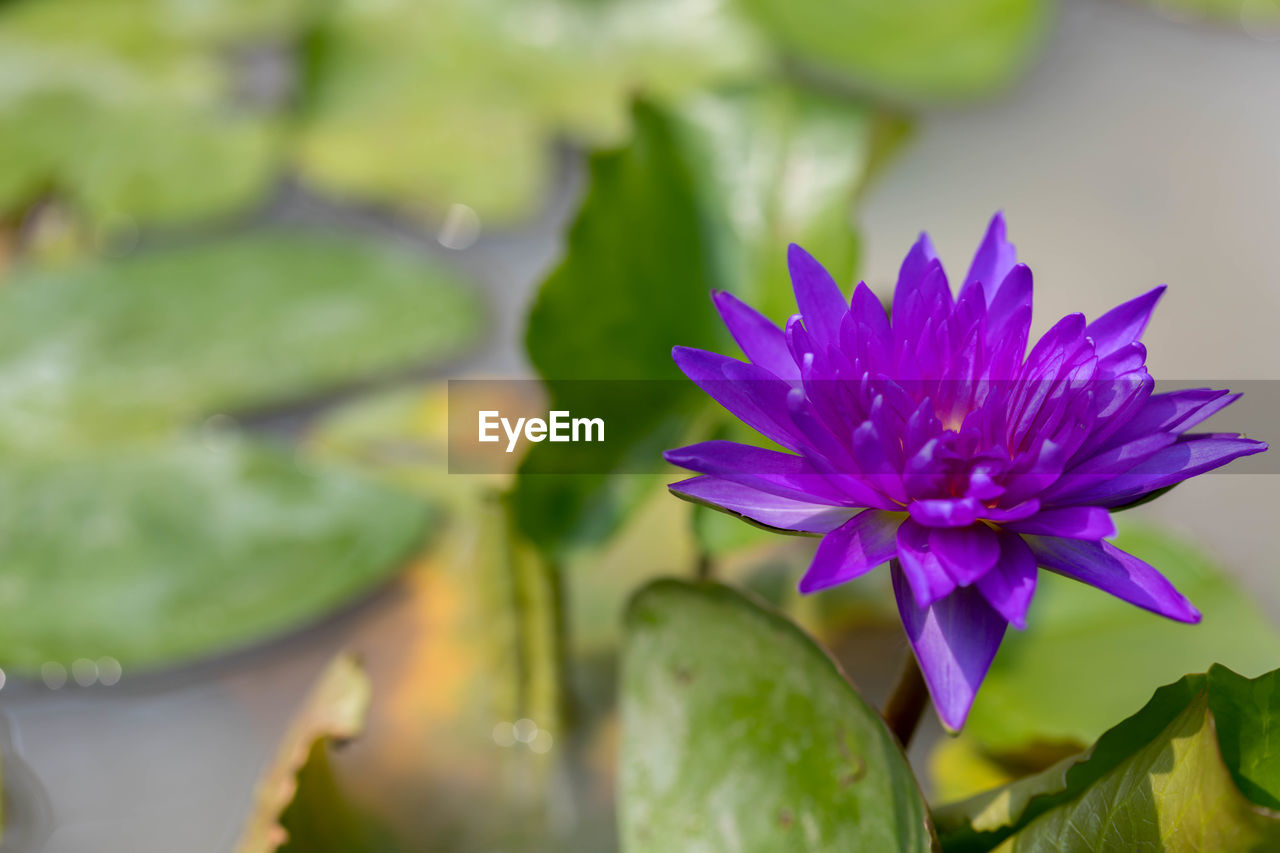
1191	771
1076	635
707	197
456	100
782	165
135	346
911	49
636	281
740	733
126	110
156	555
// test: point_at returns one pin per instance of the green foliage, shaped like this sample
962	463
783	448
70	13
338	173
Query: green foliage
1034	696
739	731
125	110
635	282
157	555
118	349
910	50
704	198
459	98
1165	778
781	165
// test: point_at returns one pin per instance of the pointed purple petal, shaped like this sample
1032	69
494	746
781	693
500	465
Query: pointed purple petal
818	296
965	553
929	581
855	548
1076	522
1111	570
769	510
1190	456
994	259
1010	586
767	470
760	340
910	275
1123	324
1013	296
752	394
955	641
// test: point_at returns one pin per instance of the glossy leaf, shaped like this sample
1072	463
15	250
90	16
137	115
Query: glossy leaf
783	165
739	731
635	282
123	348
914	50
1032	698
157	555
1166	778
707	197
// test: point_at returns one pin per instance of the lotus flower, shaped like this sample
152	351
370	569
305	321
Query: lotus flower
931	439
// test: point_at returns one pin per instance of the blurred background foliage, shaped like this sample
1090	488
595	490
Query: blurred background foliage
230	282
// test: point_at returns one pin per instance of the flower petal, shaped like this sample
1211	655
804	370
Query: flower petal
769	510
1075	522
966	553
954	640
1014	294
1189	456
750	393
855	548
1009	586
929	581
759	339
993	261
1111	570
819	298
1123	324
767	470
945	512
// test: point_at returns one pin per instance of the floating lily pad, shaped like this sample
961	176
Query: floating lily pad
908	50
739	731
456	101
158	555
132	347
126	111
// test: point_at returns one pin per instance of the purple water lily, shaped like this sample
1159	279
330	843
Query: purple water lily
932	438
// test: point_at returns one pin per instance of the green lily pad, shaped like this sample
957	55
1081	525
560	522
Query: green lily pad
913	50
146	82
1086	657
133	347
157	555
1192	771
427	105
740	732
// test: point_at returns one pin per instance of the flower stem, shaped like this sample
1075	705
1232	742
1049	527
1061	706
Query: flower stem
906	704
